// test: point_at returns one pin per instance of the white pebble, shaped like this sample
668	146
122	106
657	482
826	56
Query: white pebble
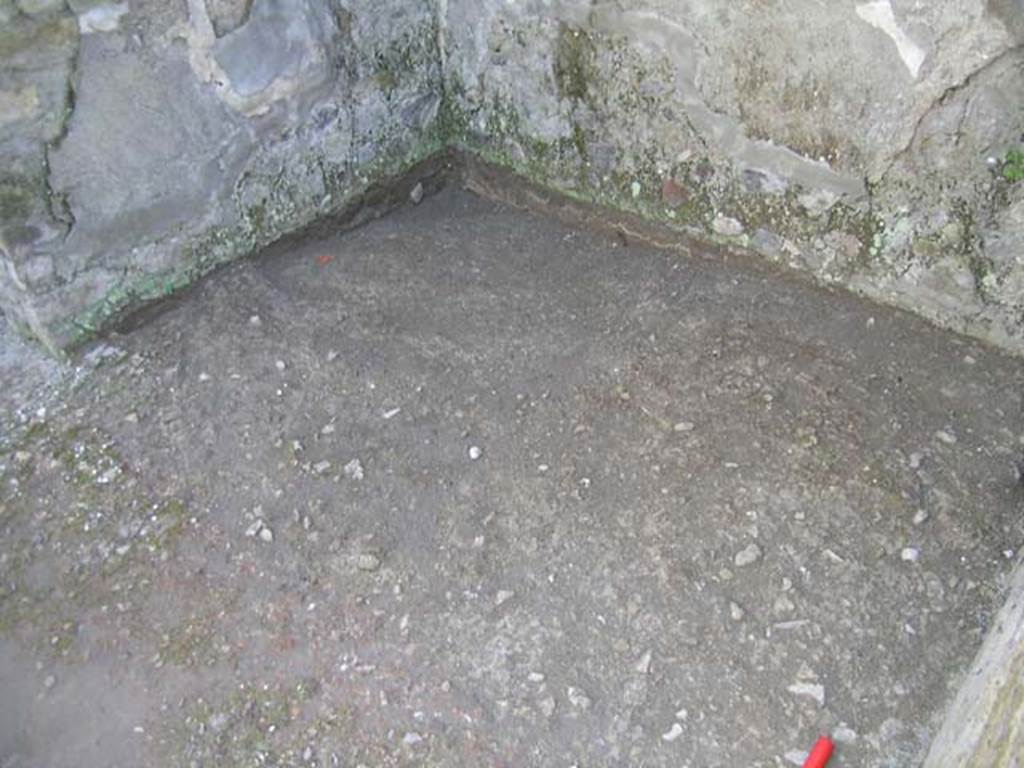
578	698
354	470
266	535
475	452
796	757
814	691
747	556
643	665
920	516
672	733
844	734
726	226
367	561
946	437
910	554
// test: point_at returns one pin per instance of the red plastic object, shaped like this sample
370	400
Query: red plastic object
821	753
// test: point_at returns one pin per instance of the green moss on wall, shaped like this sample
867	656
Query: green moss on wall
286	209
663	170
575	62
18	196
407	56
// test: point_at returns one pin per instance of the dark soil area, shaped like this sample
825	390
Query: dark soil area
467	486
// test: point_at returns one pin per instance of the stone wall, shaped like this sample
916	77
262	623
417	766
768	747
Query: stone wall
142	143
861	142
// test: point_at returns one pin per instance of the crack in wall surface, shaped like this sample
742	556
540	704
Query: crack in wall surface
51	197
939	101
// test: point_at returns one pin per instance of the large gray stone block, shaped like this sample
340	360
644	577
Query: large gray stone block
147	142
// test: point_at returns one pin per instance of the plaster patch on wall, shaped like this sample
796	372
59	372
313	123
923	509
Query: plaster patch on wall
879	15
18	105
288	49
102	18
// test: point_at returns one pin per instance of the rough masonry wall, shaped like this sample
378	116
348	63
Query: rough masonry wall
862	142
144	142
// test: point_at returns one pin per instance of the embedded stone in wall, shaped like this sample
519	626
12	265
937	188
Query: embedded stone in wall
145	142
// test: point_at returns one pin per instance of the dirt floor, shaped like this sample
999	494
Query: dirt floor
466	487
